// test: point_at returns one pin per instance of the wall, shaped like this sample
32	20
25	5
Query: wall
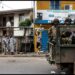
16	20
67	2
45	5
17	31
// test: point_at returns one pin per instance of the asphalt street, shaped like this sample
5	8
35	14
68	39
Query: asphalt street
25	65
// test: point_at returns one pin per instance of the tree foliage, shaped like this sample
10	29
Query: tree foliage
27	22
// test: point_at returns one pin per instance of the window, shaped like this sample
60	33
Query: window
55	4
4	21
1	21
68	7
39	16
52	4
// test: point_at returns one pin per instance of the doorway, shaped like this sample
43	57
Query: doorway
4	21
4	32
44	40
11	19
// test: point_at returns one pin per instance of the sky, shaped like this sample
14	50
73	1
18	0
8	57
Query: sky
11	5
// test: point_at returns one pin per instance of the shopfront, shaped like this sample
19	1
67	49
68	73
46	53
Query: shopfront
43	29
43	22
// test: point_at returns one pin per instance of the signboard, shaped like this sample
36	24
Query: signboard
50	15
18	32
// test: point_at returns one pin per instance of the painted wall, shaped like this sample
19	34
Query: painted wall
17	31
50	15
44	8
45	5
16	20
62	3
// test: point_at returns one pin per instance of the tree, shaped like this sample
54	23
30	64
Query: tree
27	22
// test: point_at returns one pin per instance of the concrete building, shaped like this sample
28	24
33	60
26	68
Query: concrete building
15	17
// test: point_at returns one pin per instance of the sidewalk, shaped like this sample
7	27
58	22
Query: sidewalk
25	55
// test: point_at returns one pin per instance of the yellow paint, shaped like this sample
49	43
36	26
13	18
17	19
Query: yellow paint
35	44
35	37
45	5
62	4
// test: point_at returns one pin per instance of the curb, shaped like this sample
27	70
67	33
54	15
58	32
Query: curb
41	55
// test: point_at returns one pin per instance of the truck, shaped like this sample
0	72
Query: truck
62	53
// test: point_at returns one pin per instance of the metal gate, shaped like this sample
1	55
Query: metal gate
16	40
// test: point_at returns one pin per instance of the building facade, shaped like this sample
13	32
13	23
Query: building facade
47	11
15	17
56	5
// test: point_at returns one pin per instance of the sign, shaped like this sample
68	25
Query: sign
49	15
18	32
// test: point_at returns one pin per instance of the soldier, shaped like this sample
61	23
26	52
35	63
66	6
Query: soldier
53	30
52	33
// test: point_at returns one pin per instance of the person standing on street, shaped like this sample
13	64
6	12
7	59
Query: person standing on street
5	44
12	44
38	40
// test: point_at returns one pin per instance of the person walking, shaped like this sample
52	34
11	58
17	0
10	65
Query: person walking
38	41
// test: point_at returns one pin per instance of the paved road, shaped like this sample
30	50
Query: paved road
24	65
